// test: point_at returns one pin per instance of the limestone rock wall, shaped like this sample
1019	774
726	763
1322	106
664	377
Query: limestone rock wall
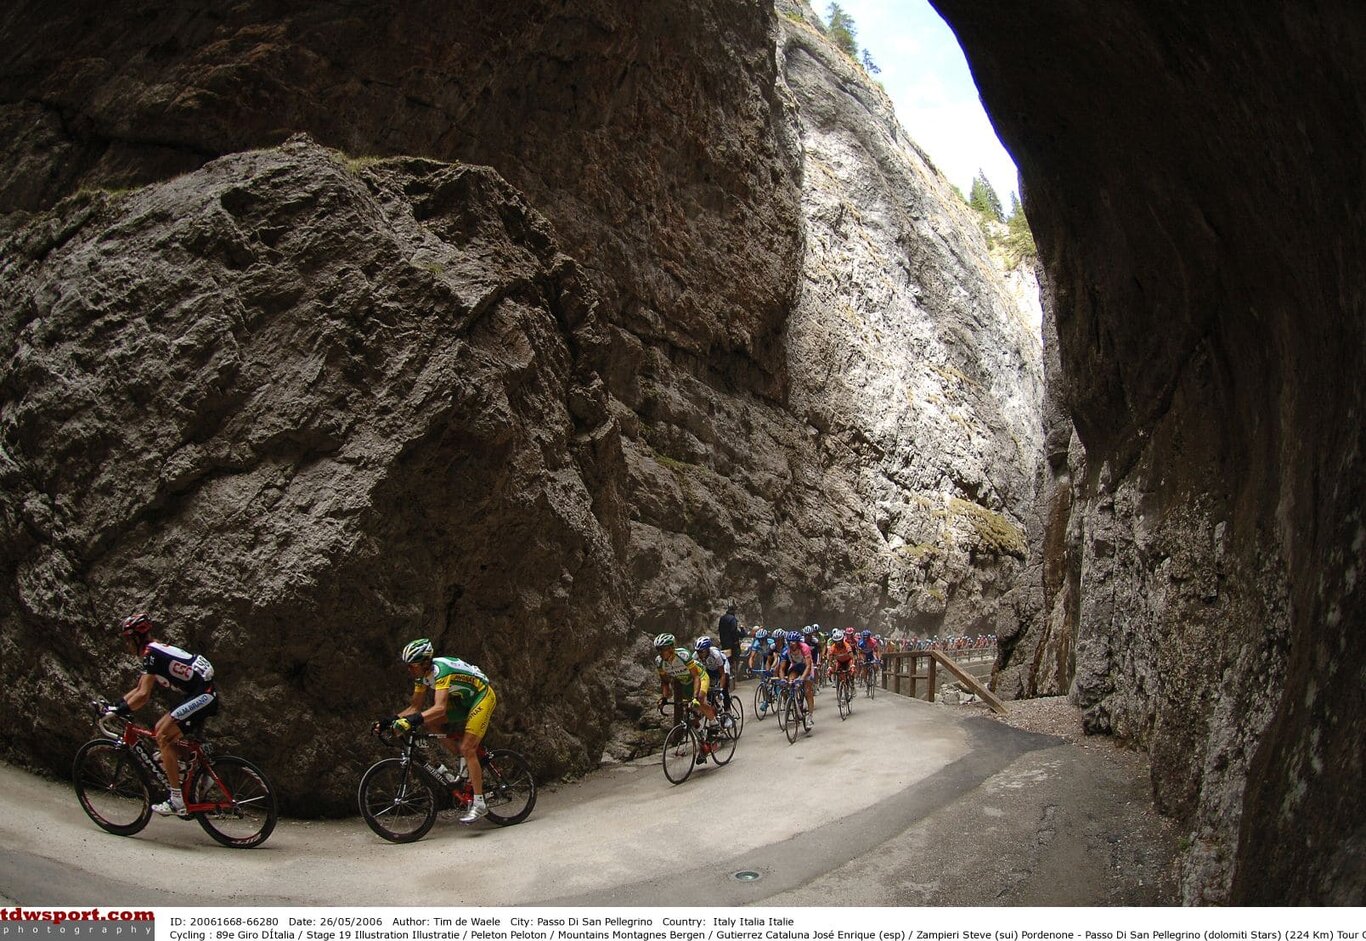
303	410
1193	180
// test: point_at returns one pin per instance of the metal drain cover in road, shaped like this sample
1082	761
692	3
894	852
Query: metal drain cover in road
745	875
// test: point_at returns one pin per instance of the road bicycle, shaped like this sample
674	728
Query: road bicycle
796	717
117	775
400	797
765	694
692	741
844	692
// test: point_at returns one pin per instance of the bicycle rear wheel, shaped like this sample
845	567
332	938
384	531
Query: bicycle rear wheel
246	813
397	801
736	712
680	753
111	787
784	700
509	788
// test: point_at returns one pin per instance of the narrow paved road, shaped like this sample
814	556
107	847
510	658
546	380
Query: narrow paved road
905	803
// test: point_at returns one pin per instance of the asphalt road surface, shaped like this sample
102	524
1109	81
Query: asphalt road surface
905	803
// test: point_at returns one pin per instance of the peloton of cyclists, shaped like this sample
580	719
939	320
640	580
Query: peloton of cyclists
186	674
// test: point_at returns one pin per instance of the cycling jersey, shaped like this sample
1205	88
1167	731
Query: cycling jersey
715	662
466	684
797	656
682	669
179	670
841	653
868	648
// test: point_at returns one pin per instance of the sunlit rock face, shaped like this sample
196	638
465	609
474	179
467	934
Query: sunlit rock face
1193	177
548	331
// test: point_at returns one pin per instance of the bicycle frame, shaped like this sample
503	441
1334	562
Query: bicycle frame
142	744
411	748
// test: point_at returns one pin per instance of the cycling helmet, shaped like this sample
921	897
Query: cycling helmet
848	632
866	634
793	637
665	640
703	644
808	631
761	634
139	624
815	627
418	650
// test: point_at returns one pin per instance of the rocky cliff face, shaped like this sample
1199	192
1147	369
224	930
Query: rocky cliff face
702	325
1193	179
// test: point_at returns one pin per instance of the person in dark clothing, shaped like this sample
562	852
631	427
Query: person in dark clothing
729	629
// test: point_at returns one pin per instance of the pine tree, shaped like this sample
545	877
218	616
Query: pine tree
842	31
983	198
1019	240
868	64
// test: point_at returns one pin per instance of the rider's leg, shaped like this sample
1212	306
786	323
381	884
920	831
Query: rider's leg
476	726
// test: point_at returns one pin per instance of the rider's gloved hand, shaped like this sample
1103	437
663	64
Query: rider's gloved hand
404	724
696	704
120	709
383	725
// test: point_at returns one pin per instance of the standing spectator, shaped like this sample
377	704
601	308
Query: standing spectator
729	629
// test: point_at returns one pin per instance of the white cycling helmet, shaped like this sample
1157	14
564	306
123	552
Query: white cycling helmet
418	650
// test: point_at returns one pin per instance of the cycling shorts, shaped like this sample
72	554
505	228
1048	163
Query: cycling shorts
191	713
475	718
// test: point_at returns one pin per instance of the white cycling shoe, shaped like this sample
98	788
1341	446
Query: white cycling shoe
476	810
168	808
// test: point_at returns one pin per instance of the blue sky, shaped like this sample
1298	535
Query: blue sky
925	74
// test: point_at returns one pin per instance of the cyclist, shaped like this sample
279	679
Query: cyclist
680	670
758	651
812	638
868	649
717	665
463	702
795	666
186	674
839	656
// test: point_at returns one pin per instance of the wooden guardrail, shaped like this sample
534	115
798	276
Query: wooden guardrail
902	674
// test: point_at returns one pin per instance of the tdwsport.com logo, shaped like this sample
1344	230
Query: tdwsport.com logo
22	924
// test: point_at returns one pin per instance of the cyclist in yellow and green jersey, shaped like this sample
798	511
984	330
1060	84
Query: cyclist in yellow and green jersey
463	703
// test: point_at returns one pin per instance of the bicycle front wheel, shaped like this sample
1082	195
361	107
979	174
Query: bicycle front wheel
244	814
680	753
870	681
842	697
111	787
763	702
723	745
792	719
397	801
509	788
